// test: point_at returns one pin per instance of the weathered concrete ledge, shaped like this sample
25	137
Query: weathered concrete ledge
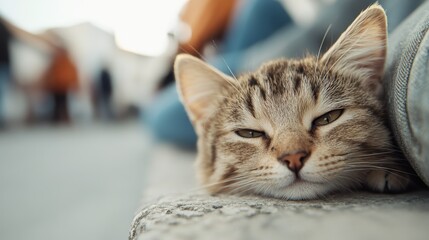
343	216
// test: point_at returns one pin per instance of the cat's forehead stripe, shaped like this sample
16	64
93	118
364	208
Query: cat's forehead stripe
315	90
300	69
249	105
253	82
297	83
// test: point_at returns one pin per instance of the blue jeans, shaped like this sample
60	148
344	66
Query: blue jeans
167	119
254	22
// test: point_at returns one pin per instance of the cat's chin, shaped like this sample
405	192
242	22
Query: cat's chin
300	190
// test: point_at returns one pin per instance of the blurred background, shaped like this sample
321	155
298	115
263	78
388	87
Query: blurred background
73	156
79	60
90	120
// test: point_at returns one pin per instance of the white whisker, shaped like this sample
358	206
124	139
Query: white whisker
320	47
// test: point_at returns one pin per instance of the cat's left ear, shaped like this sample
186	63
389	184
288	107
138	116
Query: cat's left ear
361	49
200	86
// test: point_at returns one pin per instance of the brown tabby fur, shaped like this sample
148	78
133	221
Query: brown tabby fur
282	99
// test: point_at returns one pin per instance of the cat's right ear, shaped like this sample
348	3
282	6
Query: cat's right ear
199	85
361	49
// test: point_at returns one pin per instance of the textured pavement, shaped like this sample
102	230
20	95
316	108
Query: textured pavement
345	216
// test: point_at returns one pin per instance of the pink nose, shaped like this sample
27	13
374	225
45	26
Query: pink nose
294	160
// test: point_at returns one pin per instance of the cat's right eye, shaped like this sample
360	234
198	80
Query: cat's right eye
327	118
249	133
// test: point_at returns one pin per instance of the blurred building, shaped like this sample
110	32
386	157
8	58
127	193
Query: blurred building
109	80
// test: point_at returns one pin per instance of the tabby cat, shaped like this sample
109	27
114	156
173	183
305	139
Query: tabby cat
297	129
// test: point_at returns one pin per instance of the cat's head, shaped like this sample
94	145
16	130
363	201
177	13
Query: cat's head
293	129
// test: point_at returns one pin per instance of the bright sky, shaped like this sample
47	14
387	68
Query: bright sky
139	25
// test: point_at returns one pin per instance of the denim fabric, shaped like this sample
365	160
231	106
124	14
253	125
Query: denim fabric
255	21
294	41
407	88
168	121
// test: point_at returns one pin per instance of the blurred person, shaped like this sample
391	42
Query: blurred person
207	20
202	21
60	78
5	36
103	94
40	67
261	30
15	102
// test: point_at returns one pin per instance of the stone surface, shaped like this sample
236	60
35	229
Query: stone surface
343	216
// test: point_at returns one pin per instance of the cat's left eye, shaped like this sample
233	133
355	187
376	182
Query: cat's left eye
327	118
249	133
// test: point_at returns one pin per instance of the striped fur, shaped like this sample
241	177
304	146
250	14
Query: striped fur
282	99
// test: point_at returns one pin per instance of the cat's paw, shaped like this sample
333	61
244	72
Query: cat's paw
386	181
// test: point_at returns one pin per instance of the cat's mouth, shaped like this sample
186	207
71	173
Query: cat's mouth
301	182
300	189
294	181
